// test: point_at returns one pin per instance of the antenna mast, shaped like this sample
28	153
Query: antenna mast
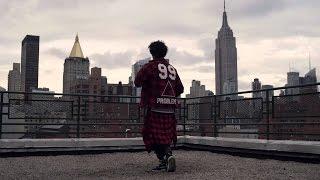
309	62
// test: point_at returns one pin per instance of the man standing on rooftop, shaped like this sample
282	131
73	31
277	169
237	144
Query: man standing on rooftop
161	85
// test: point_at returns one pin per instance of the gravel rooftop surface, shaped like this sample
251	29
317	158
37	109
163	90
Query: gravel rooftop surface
190	165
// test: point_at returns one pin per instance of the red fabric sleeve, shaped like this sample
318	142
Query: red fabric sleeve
141	77
179	87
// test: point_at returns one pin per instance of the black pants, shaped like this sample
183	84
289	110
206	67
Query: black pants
161	150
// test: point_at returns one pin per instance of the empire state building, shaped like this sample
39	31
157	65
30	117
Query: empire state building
226	59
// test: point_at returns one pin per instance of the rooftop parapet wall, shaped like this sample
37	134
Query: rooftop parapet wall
306	147
298	148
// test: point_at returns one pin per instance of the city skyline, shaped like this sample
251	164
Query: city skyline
189	51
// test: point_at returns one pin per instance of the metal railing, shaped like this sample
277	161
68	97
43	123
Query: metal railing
262	114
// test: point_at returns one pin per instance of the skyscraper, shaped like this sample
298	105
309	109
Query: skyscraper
309	78
135	69
198	90
198	109
75	67
264	93
256	85
226	59
14	78
29	63
293	79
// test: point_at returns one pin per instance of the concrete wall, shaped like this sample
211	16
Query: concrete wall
115	144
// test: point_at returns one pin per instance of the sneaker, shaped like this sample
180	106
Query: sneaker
161	166
171	164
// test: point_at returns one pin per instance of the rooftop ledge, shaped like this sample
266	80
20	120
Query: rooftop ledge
309	150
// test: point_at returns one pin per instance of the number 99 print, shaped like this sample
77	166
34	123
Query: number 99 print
163	72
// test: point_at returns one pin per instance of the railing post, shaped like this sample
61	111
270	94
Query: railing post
78	118
184	115
215	134
1	111
267	113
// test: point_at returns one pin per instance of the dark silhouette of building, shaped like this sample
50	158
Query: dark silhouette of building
256	85
29	63
264	93
309	78
288	110
295	106
121	89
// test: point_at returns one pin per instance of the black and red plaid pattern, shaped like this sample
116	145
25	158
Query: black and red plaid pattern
159	128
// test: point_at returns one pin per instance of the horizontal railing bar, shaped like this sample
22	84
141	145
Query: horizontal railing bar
245	99
241	118
226	132
76	95
136	97
217	124
300	94
26	133
263	124
197	103
70	124
81	132
282	117
100	119
139	132
118	132
271	89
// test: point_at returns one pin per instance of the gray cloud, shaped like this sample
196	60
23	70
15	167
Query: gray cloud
242	9
200	68
57	4
110	60
57	53
63	4
244	85
253	8
170	28
184	57
5	41
205	69
125	59
207	46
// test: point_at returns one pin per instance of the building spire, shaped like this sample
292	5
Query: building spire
309	62
225	18
290	66
77	37
76	49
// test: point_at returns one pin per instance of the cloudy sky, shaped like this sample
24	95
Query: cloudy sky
115	33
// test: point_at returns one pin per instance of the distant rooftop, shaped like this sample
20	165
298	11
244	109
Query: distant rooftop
190	165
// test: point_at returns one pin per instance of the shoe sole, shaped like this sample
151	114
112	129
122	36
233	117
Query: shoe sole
171	167
160	169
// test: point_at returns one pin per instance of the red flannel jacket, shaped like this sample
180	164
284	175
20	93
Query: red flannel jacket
160	84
